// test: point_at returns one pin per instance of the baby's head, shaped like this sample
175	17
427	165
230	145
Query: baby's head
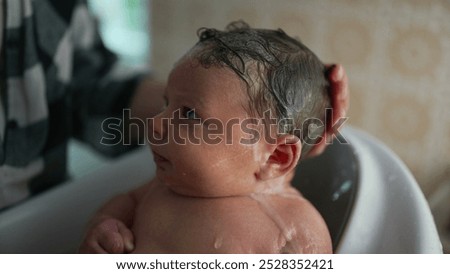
284	79
225	83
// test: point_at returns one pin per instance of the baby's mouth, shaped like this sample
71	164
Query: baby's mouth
158	158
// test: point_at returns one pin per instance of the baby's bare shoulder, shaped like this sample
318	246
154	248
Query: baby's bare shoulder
310	232
275	223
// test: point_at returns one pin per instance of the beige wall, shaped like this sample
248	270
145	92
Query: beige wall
397	56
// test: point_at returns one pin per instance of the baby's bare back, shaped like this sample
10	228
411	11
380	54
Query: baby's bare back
166	222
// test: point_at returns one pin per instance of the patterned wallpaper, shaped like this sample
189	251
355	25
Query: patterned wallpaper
396	53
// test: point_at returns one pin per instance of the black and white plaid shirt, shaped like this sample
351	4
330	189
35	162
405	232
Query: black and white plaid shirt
57	81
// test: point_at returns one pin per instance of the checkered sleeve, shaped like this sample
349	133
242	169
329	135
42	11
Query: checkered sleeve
58	81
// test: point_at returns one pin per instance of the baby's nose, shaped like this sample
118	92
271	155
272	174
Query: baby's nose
157	133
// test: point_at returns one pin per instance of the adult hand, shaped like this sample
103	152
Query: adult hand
340	103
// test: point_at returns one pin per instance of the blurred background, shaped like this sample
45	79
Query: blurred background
396	54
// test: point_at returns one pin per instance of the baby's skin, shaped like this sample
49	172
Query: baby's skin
214	198
218	198
284	222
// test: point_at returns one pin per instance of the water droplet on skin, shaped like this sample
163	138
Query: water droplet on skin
218	243
288	232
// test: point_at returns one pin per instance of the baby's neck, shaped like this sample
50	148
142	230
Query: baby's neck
274	186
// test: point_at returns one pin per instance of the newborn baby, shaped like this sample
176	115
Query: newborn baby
243	105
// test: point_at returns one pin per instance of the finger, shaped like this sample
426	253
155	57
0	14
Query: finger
339	94
97	249
111	242
339	86
127	236
340	102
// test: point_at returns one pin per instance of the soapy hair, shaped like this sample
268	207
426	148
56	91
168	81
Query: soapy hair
281	74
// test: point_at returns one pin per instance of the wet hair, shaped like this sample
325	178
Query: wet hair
281	74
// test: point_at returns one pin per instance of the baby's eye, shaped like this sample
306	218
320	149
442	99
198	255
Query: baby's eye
166	103
190	113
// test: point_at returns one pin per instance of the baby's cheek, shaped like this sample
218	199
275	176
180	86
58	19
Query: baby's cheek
194	173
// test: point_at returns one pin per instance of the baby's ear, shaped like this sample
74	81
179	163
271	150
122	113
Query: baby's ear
283	158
